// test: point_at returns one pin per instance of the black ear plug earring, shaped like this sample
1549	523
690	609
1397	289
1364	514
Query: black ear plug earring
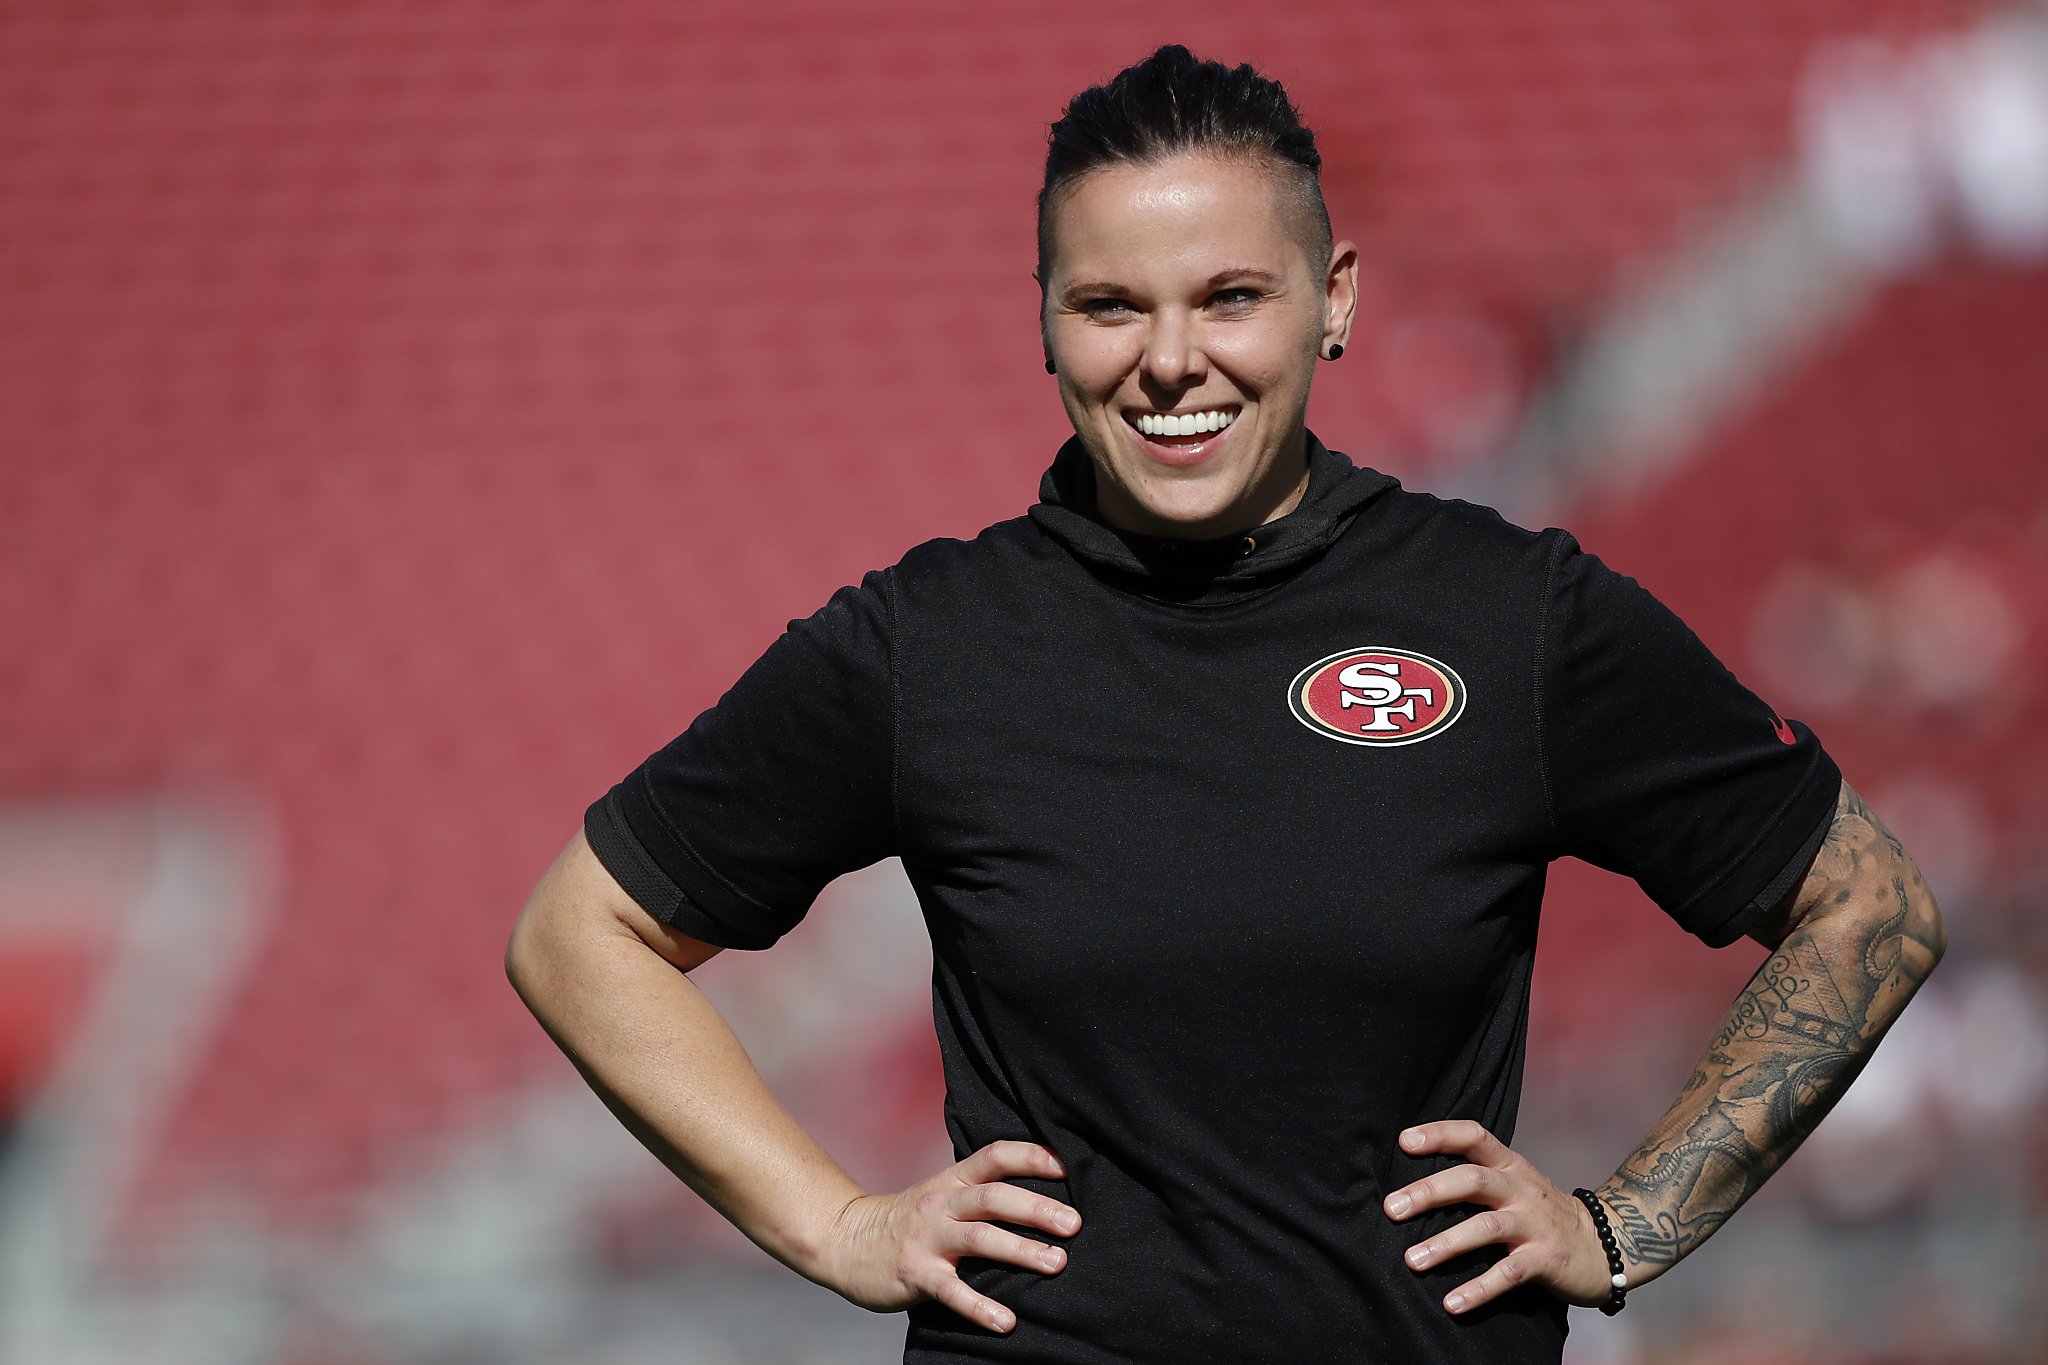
1050	368
1336	349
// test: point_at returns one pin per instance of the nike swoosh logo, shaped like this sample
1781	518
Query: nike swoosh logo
1785	735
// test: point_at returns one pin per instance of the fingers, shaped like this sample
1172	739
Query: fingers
992	1243
928	1263
936	1272
1521	1209
1458	1185
1465	1137
953	1292
1012	1205
1493	1226
1010	1157
1524	1264
1484	1229
985	1196
979	1194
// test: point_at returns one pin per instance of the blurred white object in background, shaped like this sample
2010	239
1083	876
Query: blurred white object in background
1996	1078
1953	630
1880	1147
1938	635
1992	106
1959	1079
1908	150
1868	166
1817	636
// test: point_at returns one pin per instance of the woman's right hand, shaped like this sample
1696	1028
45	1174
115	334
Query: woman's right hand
889	1251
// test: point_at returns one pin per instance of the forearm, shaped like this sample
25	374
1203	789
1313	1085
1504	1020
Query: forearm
662	1058
1792	1041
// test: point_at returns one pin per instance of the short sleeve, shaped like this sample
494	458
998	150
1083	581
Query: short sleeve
1661	765
729	832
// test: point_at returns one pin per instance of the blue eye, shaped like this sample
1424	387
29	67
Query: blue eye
1234	298
1106	308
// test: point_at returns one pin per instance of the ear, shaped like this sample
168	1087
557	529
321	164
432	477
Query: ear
1340	295
1044	331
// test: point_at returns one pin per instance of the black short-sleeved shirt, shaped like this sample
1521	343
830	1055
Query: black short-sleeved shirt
1231	855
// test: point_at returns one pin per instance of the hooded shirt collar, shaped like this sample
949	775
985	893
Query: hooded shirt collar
1203	571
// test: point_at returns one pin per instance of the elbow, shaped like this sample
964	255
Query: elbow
1921	933
541	938
1865	898
1934	929
1886	917
520	951
545	931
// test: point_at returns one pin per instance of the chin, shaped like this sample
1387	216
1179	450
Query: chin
1194	513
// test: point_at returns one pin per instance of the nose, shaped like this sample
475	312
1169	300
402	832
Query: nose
1174	358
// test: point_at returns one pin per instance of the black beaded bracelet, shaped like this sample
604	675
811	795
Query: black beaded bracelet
1617	1291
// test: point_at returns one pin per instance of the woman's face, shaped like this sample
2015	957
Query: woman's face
1184	290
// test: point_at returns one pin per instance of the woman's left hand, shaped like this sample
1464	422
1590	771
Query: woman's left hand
1549	1234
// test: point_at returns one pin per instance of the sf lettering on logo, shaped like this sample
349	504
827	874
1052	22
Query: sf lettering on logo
1376	686
1377	696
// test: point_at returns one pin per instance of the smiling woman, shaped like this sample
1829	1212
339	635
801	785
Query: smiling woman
1184	314
1227	777
1188	283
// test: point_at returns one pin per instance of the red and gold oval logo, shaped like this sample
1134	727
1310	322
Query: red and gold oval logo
1377	696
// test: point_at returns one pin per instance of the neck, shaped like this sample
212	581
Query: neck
1278	492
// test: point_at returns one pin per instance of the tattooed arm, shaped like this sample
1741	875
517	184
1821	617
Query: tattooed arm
1848	948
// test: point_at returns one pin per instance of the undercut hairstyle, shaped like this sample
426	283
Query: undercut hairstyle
1175	102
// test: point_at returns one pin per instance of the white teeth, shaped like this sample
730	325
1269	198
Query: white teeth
1184	424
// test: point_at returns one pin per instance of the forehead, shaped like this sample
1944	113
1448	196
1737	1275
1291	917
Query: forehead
1195	212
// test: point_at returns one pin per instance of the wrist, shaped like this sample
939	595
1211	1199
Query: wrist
819	1247
1626	1220
1612	1261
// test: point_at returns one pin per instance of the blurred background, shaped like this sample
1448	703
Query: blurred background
413	414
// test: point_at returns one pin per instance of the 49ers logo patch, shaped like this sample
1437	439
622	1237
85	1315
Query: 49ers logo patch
1377	696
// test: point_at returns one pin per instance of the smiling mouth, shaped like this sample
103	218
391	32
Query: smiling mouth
1181	428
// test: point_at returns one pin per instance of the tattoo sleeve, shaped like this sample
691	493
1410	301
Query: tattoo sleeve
1851	946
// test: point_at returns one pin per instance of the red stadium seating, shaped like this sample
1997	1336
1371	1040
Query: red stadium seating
411	416
1917	436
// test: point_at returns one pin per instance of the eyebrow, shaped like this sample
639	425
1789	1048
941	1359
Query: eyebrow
1082	288
1243	272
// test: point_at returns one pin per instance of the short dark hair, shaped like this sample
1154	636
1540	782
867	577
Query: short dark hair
1174	102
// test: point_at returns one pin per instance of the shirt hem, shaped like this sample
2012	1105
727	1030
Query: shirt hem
609	830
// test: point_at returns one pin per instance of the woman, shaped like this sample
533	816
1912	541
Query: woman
1226	778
